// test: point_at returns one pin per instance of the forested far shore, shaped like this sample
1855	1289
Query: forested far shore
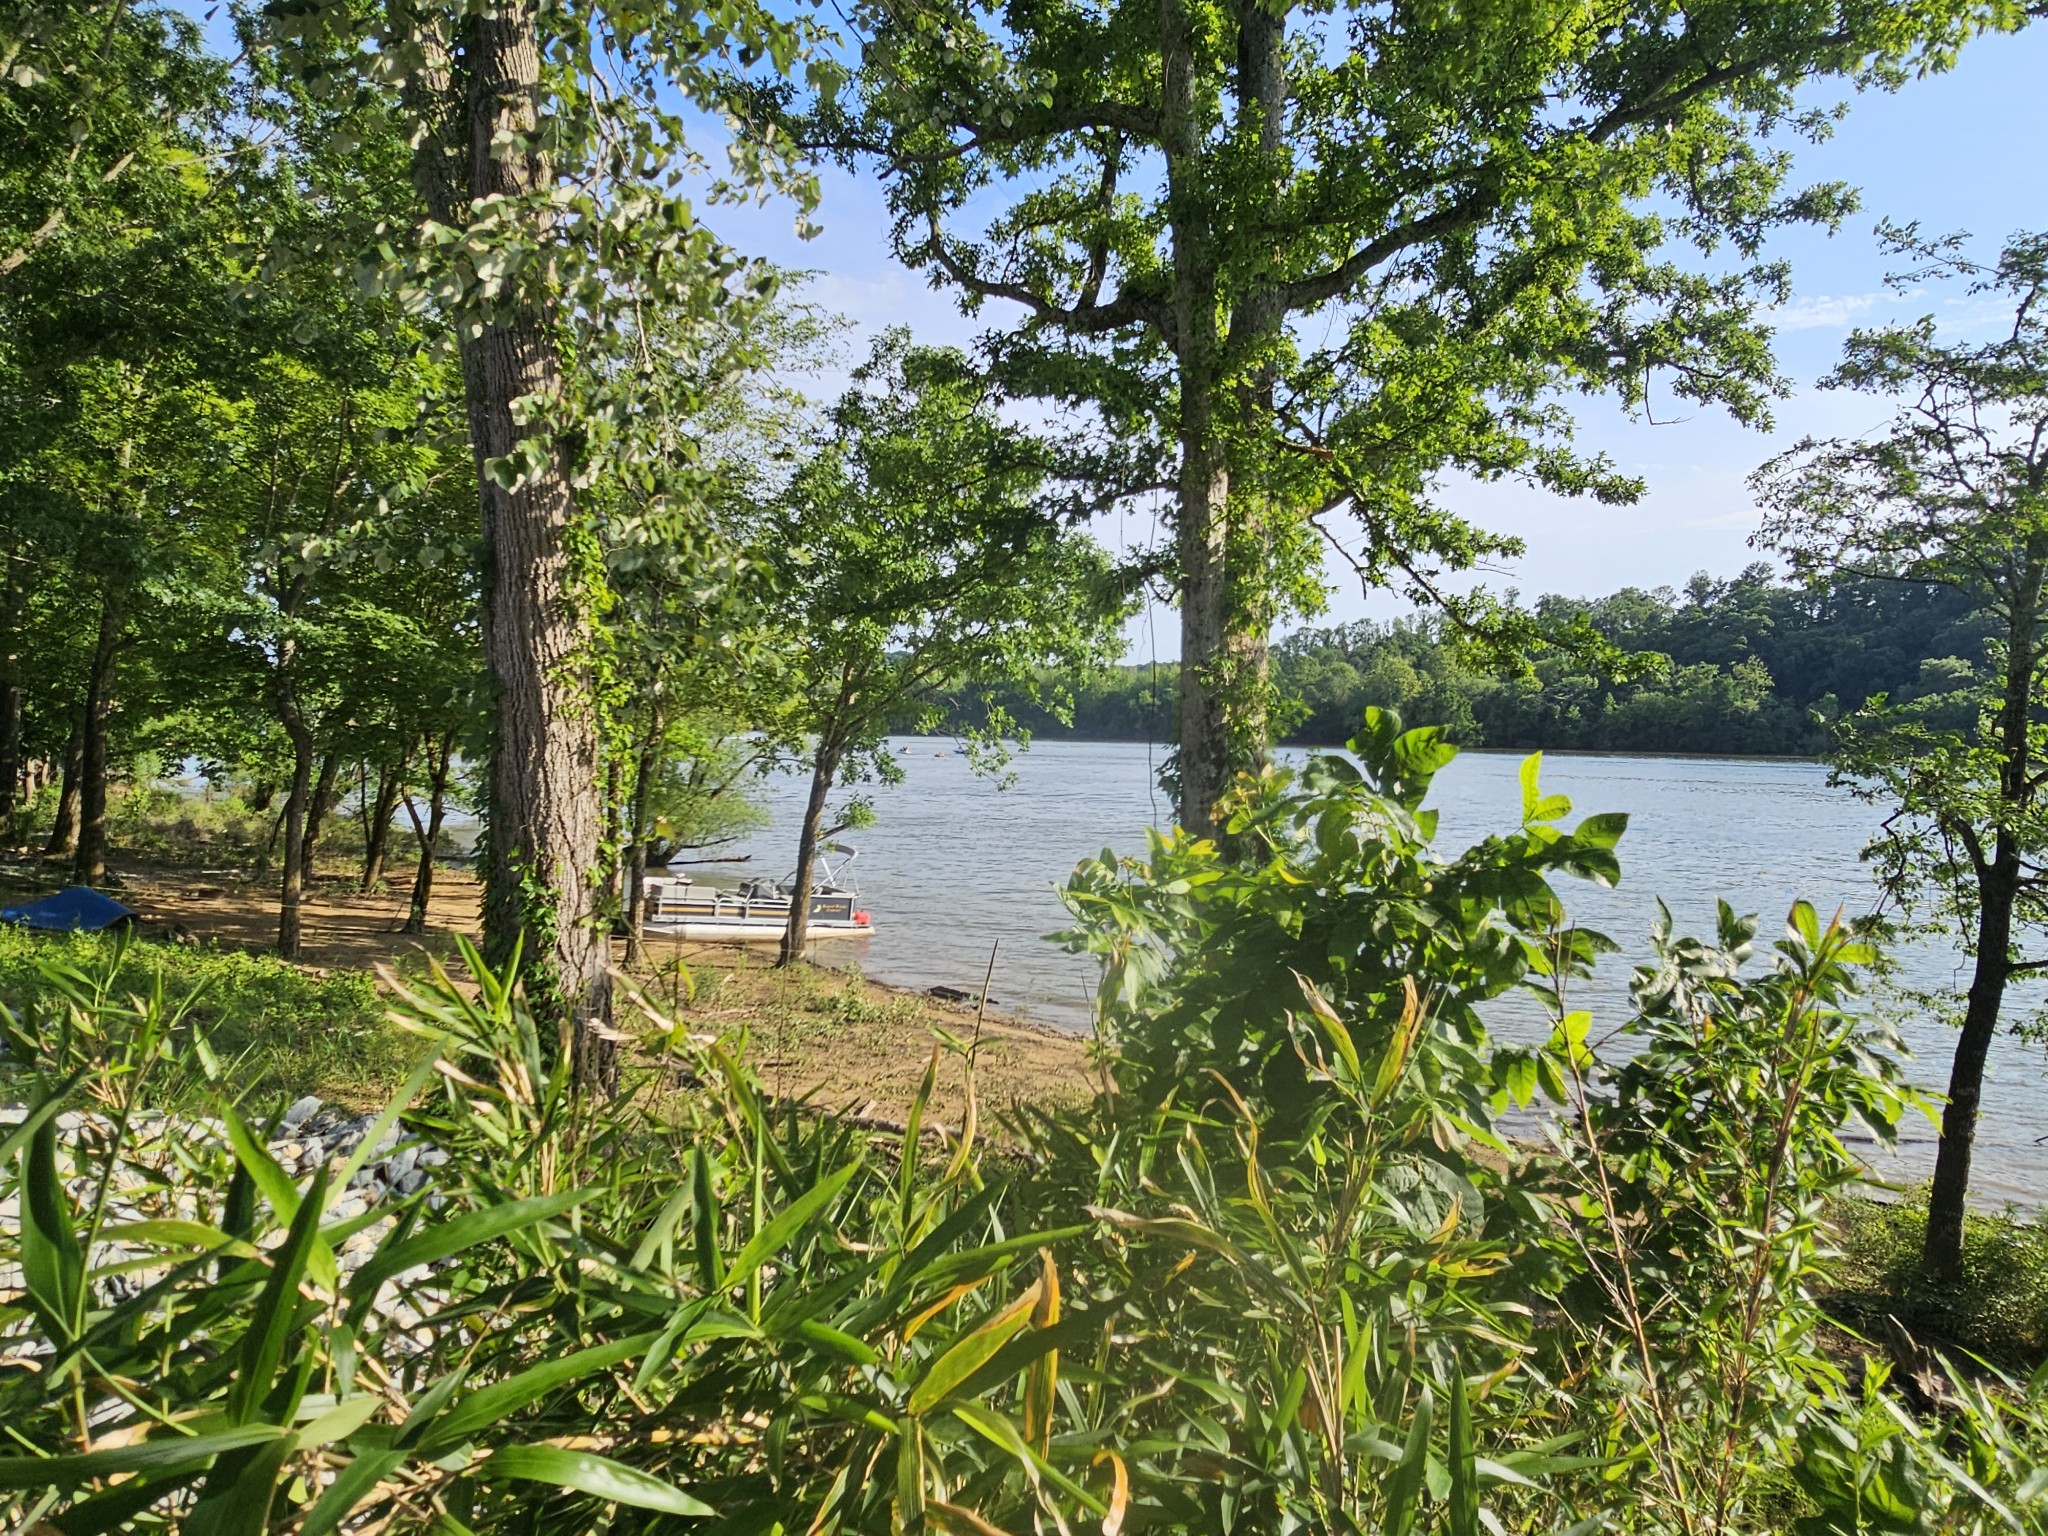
1749	666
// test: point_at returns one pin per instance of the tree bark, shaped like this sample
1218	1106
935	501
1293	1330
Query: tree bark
1948	1199
377	826
63	841
10	692
428	834
1203	491
1257	321
89	865
824	769
1226	605
1998	885
324	799
297	804
546	812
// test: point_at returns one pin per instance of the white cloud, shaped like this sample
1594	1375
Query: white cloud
1824	311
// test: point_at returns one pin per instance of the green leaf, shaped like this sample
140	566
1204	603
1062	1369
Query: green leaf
968	1354
366	1148
499	1401
598	1476
449	1238
351	1485
47	1109
661	1228
785	1225
52	1265
280	1191
339	1421
1532	769
118	1506
1404	1483
243	1507
271	1325
835	1342
1601	831
171	1453
1463	1510
263	1169
173	1232
704	1224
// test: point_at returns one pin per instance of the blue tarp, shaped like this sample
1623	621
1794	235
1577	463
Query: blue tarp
79	909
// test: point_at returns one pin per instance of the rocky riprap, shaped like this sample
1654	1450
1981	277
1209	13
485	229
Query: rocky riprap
309	1134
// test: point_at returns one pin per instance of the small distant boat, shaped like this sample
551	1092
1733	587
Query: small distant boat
677	907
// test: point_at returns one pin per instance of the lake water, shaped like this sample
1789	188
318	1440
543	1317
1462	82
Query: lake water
955	865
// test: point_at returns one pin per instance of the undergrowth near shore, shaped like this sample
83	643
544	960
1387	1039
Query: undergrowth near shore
1283	1276
1999	1308
277	1029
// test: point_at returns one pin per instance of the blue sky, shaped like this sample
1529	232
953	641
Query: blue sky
1960	151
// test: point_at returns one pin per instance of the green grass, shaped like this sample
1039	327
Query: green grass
1998	1310
284	1031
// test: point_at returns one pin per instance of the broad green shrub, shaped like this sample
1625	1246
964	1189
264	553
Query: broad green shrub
1698	1165
1358	1289
1322	1238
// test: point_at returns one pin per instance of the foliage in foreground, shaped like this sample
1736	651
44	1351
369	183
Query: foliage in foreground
1291	1280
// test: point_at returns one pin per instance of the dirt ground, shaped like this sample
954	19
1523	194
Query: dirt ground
848	1044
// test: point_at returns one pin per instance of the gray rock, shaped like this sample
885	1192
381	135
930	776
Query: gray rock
300	1112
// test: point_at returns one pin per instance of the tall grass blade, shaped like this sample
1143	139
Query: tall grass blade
272	1323
446	1239
599	1476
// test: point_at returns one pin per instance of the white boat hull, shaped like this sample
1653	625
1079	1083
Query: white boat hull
729	930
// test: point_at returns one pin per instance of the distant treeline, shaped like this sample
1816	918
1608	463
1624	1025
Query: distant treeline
1744	666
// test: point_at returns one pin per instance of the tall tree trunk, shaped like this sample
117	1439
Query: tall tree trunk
10	690
645	761
546	812
1203	491
429	833
89	866
1204	758
1948	1200
1998	876
824	768
297	804
63	841
319	807
1257	321
377	824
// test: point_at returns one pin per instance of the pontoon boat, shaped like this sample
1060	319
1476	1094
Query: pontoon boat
677	907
